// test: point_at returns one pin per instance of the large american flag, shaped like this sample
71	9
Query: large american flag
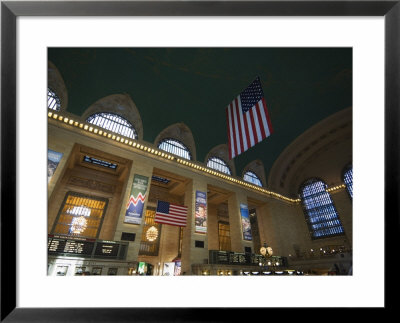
248	119
172	214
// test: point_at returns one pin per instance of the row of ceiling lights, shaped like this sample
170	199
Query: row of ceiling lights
165	155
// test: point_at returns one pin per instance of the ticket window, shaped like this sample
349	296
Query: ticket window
97	270
61	270
79	270
112	271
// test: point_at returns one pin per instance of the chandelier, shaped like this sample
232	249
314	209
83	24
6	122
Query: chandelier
152	233
78	225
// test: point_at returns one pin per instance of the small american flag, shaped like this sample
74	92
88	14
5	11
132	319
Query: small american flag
171	214
248	119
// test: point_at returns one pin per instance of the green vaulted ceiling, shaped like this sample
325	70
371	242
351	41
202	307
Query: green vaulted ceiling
194	85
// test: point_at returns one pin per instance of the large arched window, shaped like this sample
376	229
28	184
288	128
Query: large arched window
175	147
80	216
53	101
219	165
114	123
322	218
252	178
348	179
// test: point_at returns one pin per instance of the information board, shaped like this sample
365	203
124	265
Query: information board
88	248
73	247
237	258
222	257
104	249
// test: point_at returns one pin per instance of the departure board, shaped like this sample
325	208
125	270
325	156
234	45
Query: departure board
69	246
237	258
81	247
105	249
223	257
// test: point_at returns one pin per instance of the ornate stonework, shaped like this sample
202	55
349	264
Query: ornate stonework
91	184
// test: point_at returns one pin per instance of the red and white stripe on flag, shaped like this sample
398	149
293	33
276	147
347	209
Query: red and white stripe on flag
245	129
171	214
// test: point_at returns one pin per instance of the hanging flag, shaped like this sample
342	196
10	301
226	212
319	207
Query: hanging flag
172	214
248	119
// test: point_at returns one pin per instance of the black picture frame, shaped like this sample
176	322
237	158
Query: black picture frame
10	10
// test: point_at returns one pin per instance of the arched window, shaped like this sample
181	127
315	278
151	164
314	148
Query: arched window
322	218
80	216
219	165
175	147
53	101
348	179
114	123
252	178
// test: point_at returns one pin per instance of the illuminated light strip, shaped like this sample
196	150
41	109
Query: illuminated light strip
170	157
335	188
237	181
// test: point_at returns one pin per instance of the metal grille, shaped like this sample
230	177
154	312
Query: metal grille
321	214
219	165
348	180
53	101
224	236
80	216
114	123
252	178
175	147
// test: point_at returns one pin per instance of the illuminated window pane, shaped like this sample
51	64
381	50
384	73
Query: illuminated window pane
252	178
348	180
150	241
219	165
323	220
80	216
224	236
175	147
53	101
114	123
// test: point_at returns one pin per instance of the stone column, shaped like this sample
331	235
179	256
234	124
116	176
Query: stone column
190	253
235	222
62	145
143	169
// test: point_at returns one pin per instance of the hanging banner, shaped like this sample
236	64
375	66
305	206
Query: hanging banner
53	159
201	212
134	207
246	227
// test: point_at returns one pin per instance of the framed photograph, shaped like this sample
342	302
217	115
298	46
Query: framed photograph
192	24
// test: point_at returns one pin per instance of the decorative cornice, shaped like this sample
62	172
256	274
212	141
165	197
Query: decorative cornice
142	148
